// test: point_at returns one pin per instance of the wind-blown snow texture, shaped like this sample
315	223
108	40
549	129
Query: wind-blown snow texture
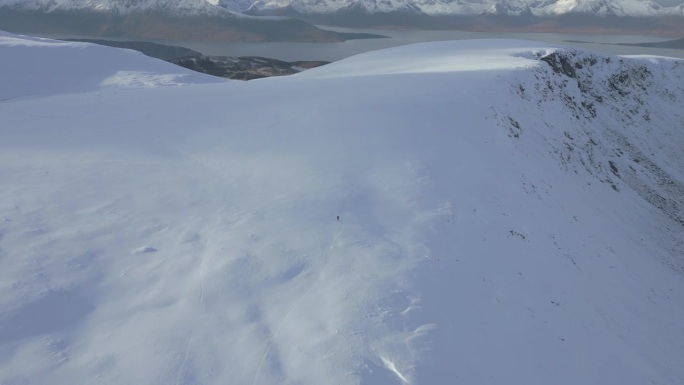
509	213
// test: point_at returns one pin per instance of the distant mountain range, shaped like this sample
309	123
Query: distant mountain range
233	8
281	20
157	19
537	8
594	16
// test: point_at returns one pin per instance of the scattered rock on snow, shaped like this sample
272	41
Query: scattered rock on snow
144	250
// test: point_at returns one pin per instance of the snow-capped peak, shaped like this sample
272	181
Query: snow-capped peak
430	7
120	7
461	7
604	8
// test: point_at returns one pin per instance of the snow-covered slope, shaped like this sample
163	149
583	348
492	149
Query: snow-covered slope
508	213
82	67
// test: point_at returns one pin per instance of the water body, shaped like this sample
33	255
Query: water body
337	51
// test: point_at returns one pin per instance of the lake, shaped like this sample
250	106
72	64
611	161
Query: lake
337	51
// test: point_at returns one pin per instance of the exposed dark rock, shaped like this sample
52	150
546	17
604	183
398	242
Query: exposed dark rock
593	87
239	68
563	63
243	68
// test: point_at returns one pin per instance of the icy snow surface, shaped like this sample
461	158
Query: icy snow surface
503	219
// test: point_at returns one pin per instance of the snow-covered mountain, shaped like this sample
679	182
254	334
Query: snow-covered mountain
603	8
538	8
120	7
261	20
476	212
622	8
541	8
156	19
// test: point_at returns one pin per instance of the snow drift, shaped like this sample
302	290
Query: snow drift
508	213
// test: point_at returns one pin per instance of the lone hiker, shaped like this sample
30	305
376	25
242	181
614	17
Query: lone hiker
338	217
